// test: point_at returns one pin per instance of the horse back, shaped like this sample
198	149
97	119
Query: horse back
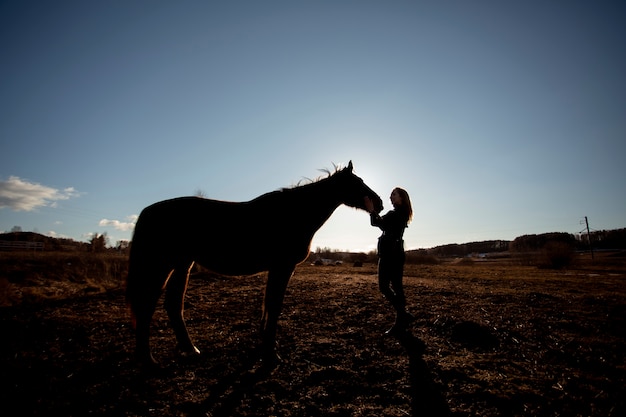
234	238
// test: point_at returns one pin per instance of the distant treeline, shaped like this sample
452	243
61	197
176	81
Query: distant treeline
465	249
602	239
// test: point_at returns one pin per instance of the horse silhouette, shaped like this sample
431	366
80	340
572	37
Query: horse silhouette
272	233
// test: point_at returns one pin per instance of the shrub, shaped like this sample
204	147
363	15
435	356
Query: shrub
557	255
548	250
421	257
465	261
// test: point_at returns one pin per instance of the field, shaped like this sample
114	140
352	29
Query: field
490	339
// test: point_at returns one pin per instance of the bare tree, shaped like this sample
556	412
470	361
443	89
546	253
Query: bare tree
98	242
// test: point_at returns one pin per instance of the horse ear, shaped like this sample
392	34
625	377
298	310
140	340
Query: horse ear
350	166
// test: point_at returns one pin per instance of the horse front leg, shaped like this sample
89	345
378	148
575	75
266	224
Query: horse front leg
277	281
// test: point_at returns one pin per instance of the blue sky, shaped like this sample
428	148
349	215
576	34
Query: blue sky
500	118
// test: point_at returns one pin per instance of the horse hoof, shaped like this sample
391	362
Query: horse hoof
192	351
396	331
270	360
147	363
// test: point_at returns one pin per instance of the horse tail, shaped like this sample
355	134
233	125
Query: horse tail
134	284
132	291
141	290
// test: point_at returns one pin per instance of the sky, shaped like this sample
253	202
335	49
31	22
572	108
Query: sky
500	118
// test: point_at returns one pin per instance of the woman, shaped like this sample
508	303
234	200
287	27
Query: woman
391	255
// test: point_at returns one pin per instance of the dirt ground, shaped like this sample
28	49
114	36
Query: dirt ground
490	339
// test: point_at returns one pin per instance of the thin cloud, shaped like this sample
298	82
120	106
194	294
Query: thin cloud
54	234
21	195
120	225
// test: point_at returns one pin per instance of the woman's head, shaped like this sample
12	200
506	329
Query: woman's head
400	199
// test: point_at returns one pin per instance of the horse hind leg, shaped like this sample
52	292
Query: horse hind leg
143	290
143	310
174	305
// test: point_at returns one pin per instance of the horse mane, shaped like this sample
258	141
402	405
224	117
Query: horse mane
307	181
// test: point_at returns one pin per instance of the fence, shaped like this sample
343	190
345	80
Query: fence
19	245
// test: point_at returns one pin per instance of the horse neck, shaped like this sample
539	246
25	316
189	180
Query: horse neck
320	200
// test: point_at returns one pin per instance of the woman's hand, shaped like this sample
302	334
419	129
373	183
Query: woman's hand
369	204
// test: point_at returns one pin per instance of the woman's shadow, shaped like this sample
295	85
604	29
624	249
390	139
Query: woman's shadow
427	397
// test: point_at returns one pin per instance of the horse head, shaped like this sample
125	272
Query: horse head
354	190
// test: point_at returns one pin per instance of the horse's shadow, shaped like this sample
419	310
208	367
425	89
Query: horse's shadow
427	397
226	395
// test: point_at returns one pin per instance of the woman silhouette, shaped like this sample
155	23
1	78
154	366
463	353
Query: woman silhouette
391	254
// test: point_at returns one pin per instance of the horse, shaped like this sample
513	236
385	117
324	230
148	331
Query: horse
271	233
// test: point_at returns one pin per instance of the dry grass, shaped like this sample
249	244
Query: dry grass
34	277
491	339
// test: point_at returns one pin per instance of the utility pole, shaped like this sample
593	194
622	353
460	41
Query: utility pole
589	237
